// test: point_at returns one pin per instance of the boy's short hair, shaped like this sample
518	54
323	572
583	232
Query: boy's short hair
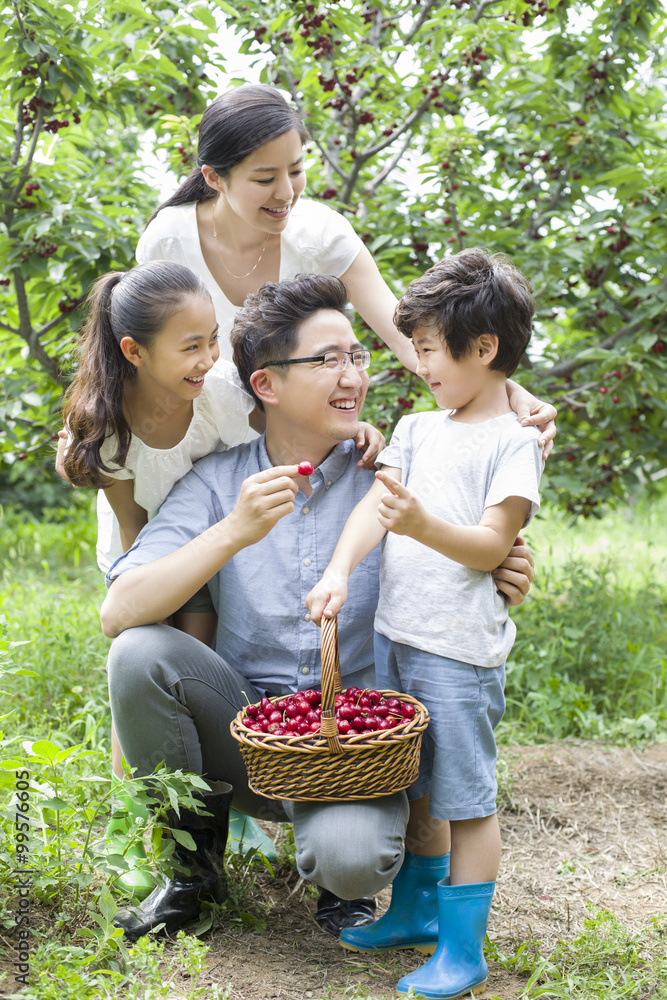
468	294
267	327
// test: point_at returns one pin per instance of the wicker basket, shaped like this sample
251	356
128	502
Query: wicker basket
323	767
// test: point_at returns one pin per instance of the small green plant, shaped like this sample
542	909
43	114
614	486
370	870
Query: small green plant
605	962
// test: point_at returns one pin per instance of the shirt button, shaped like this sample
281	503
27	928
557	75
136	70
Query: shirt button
306	562
328	482
307	616
305	510
305	670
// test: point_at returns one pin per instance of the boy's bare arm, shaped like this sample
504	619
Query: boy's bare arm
361	534
482	546
150	593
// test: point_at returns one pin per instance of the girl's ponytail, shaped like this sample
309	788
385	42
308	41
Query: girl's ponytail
94	401
135	304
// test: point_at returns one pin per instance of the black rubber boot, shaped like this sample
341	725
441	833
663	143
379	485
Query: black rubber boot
180	899
334	913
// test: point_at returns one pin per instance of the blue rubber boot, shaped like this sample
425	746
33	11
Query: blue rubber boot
458	966
245	833
412	918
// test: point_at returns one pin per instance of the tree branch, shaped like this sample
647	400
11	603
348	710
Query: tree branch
481	7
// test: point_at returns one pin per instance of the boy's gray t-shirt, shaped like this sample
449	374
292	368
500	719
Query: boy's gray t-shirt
456	470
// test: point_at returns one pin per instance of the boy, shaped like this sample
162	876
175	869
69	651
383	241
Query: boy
453	491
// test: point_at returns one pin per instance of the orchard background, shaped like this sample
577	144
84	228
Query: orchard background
531	128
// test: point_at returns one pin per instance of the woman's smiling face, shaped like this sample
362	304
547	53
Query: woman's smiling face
264	187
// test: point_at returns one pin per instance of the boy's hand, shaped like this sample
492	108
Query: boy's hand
514	576
399	510
263	500
372	441
327	597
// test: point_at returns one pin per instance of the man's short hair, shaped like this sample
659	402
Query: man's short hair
267	327
466	295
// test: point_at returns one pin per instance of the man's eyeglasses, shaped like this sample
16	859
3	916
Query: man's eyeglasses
333	360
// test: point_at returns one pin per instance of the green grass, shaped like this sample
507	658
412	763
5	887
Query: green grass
589	660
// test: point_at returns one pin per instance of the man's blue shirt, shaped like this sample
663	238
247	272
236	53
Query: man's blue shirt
264	629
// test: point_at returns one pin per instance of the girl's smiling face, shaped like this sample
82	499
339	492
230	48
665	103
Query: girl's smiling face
182	352
264	187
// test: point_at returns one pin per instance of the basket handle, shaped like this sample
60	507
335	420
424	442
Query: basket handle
331	683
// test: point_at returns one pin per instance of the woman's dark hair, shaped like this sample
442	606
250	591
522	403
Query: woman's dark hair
267	327
135	304
468	294
234	125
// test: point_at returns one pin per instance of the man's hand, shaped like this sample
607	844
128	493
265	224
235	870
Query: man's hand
514	576
372	441
534	412
399	510
263	500
327	597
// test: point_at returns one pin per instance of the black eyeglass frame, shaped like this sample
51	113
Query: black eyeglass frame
321	358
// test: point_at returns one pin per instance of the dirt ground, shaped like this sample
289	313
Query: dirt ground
581	824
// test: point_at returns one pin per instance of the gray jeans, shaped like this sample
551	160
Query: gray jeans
172	700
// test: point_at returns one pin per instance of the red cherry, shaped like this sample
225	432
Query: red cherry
344	727
292	712
276	716
386	724
358	723
252	711
313	697
408	711
314	727
306	469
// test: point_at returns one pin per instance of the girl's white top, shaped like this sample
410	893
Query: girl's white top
219	421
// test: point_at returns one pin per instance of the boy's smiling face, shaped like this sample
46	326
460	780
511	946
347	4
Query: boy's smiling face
455	384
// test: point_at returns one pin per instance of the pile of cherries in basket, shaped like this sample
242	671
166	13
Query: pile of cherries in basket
357	711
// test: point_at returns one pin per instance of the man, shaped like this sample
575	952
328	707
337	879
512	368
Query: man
261	535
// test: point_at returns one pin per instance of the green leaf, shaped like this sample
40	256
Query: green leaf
184	838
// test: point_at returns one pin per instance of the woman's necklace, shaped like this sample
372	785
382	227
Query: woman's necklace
217	246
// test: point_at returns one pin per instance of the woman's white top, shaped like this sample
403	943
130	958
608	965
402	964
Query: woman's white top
316	240
219	421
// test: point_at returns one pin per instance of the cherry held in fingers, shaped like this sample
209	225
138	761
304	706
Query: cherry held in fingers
306	469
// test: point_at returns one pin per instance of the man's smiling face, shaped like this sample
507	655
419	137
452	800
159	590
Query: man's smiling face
326	402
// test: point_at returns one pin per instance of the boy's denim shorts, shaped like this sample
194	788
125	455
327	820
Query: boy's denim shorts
458	758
